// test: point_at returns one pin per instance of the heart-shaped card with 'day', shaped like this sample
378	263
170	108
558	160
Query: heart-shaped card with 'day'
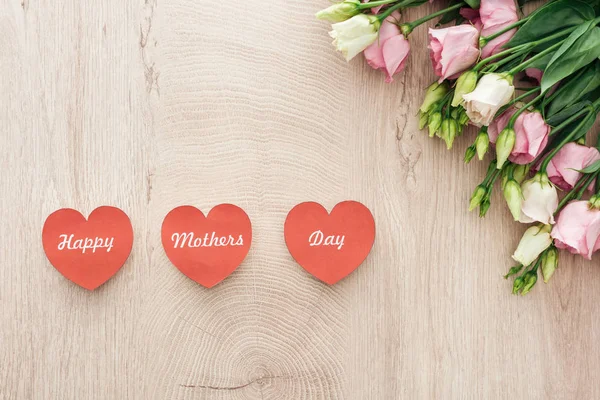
207	249
330	245
88	252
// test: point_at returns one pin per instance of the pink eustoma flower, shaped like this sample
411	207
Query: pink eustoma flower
531	134
532	137
453	50
495	16
564	166
472	17
578	229
390	51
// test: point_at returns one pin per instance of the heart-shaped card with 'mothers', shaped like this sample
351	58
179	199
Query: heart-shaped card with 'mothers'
207	249
88	252
330	245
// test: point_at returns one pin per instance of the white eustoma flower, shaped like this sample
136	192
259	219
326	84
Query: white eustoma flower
535	240
355	34
540	200
492	92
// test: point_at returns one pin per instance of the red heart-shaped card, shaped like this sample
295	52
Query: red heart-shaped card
330	246
88	252
207	249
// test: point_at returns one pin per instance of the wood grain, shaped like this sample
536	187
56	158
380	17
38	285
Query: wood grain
147	105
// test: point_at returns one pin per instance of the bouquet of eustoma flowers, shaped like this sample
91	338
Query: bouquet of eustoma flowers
531	86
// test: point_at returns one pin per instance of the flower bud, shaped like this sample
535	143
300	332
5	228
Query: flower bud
520	172
423	120
518	284
466	83
530	279
477	198
482	144
435	122
444	129
470	153
514	198
340	11
434	94
485	206
504	145
535	240
452	131
549	263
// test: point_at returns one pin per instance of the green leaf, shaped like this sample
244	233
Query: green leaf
580	49
542	63
577	88
595	167
558	118
572	39
451	15
586	126
552	18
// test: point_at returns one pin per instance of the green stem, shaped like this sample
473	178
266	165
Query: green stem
524	47
519	50
375	4
442	103
541	54
567	139
410	26
586	185
513	119
490	172
582	184
510	170
504	61
536	266
568	121
516	100
565	87
393	8
559	128
495	177
486	39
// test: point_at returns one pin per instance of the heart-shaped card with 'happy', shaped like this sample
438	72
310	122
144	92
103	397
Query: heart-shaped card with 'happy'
330	245
207	249
88	252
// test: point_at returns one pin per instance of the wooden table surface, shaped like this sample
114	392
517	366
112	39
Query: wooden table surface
151	105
